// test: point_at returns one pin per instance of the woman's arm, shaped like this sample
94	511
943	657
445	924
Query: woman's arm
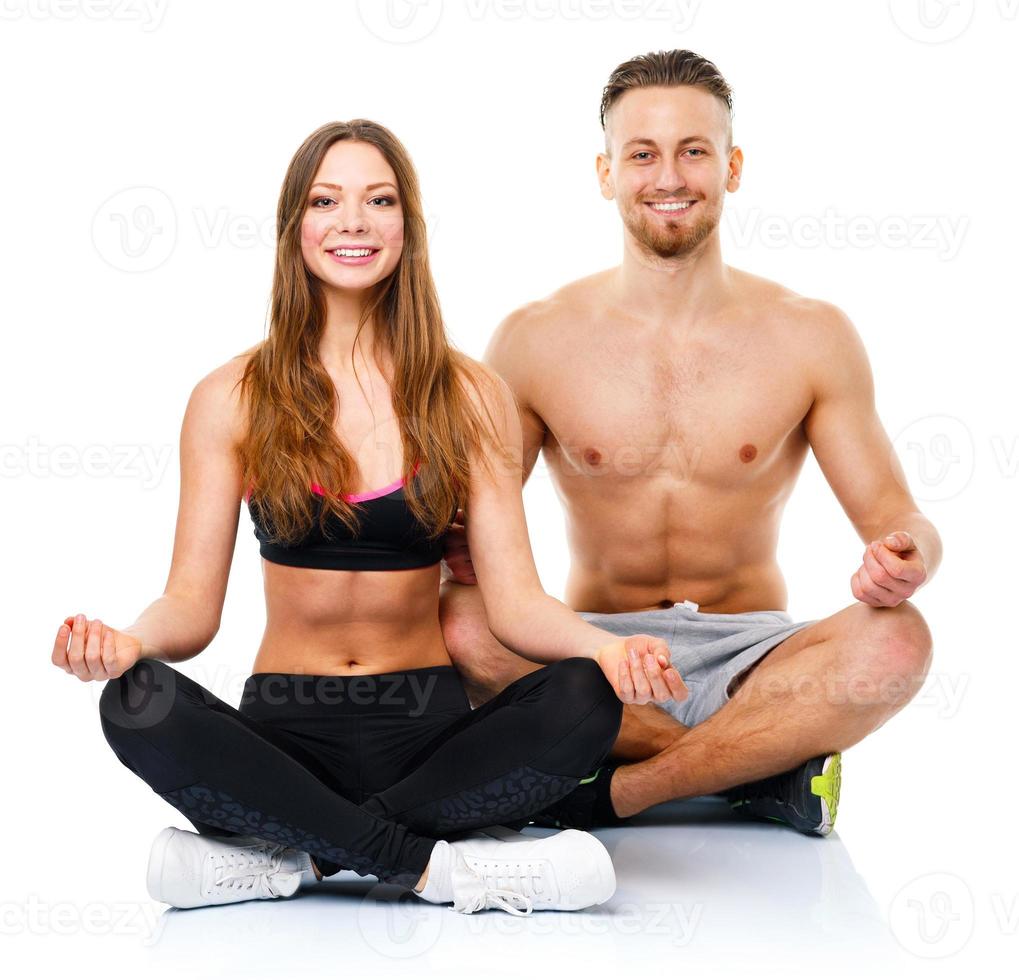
182	622
521	615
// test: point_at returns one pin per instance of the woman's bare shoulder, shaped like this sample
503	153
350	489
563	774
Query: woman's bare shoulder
217	397
487	388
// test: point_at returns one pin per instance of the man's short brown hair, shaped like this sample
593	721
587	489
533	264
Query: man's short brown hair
676	67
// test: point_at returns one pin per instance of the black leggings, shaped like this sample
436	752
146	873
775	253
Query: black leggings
363	772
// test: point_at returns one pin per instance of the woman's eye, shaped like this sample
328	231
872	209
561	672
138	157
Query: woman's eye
317	199
389	199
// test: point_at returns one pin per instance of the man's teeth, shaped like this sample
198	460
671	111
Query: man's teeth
672	206
353	252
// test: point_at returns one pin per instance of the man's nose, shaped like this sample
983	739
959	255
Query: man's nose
670	179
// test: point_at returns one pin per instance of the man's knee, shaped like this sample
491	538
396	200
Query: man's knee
463	619
483	662
892	646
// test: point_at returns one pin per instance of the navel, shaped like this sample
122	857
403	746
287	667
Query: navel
748	452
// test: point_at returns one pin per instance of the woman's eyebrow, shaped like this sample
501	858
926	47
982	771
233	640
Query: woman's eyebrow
339	187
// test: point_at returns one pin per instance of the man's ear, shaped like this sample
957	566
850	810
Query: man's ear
603	164
735	169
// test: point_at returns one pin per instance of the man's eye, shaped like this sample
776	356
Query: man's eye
640	153
694	149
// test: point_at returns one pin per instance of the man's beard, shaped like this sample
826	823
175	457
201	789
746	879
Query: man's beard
669	241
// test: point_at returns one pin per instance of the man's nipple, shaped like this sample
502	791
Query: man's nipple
748	452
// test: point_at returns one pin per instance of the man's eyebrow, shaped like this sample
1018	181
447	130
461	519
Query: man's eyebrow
644	141
339	187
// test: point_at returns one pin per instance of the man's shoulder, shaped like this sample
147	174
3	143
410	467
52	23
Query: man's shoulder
533	328
784	307
814	333
567	301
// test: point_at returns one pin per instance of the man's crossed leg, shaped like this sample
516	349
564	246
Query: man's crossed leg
811	695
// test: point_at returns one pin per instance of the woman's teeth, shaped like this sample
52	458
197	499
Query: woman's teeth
353	252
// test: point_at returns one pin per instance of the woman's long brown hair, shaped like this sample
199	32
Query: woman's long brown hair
291	402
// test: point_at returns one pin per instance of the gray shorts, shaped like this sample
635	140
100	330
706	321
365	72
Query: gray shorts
708	649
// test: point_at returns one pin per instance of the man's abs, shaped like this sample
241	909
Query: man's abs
651	546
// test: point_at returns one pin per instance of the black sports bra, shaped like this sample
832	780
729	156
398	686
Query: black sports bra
390	537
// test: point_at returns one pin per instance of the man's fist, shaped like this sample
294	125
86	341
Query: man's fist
456	555
892	570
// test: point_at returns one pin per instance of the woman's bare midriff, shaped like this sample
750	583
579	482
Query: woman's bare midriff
325	621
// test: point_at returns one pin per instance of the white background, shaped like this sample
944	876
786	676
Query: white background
144	149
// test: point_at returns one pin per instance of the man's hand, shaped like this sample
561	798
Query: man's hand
456	554
640	670
892	570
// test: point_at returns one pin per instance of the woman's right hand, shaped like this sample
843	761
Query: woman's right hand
93	651
640	670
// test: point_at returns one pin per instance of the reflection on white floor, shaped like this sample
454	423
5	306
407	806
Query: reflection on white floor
696	888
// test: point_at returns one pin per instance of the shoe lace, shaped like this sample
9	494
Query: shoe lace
248	868
500	884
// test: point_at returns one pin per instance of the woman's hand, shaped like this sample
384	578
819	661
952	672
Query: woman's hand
640	670
456	554
96	652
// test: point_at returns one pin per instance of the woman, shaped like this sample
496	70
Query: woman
354	745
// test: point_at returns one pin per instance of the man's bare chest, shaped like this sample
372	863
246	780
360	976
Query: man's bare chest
717	415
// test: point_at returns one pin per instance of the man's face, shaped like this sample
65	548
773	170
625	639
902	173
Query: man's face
669	167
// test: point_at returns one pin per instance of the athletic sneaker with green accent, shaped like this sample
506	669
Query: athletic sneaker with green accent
588	805
806	798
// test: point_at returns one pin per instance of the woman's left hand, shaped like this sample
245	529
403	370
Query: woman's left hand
640	670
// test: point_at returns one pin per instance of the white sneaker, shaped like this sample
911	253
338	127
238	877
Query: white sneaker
500	868
188	870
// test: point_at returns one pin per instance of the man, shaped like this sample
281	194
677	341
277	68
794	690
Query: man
675	398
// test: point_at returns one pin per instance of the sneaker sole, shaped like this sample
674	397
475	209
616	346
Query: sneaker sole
827	786
157	860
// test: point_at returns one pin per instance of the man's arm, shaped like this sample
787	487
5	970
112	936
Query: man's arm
511	356
860	464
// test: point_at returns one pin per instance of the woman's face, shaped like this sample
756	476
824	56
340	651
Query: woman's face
353	203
